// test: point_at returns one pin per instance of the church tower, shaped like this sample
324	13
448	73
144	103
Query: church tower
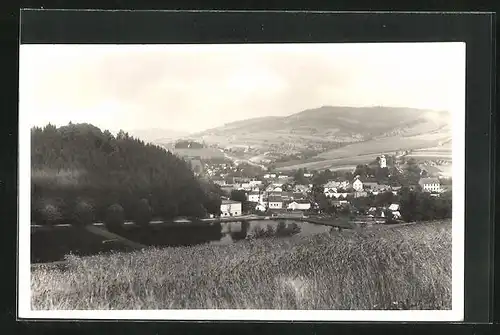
383	162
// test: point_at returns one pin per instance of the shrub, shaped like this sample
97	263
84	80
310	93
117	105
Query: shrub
144	213
48	211
115	217
83	214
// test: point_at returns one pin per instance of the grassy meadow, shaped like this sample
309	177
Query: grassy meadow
407	267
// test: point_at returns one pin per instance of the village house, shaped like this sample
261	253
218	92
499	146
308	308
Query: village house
339	203
275	202
255	182
256	188
301	189
396	215
219	181
376	212
332	184
379	188
340	195
370	185
357	185
393	207
260	207
246	186
269	175
255	197
241	180
329	192
344	184
338	184
287	195
299	205
298	196
430	185
230	208
308	175
395	189
274	188
361	194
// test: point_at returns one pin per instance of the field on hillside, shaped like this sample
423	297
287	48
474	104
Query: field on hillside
332	164
405	267
443	152
203	153
390	144
424	147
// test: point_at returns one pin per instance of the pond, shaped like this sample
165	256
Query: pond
235	231
53	245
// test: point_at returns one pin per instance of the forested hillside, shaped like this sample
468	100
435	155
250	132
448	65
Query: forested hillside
79	168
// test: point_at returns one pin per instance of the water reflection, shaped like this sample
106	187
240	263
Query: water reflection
236	231
47	246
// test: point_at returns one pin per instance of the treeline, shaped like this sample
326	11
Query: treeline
80	173
421	206
415	205
185	144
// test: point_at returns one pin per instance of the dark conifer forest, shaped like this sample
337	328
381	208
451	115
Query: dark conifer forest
79	172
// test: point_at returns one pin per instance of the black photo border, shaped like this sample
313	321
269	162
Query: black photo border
476	29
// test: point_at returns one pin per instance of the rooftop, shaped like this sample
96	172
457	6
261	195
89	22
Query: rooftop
228	202
428	181
301	201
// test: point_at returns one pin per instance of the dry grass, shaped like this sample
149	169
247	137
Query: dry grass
407	267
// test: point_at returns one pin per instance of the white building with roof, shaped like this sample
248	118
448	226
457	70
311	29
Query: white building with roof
357	185
230	208
430	185
299	205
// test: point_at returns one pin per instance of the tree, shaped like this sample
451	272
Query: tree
384	199
413	171
79	161
114	217
364	171
382	174
299	178
144	213
213	206
420	206
238	195
83	213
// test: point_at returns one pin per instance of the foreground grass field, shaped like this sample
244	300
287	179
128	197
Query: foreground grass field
406	267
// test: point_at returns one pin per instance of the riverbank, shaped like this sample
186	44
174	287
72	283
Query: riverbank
405	267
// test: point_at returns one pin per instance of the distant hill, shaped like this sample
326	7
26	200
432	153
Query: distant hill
360	131
331	124
155	135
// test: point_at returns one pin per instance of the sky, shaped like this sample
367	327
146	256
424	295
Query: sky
190	88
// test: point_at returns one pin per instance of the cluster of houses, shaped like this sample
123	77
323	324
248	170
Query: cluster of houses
274	191
219	170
